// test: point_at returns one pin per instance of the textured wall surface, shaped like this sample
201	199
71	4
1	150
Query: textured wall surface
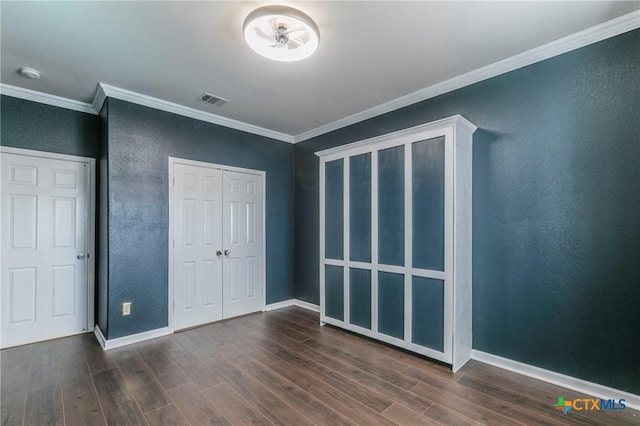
30	125
102	228
556	196
140	142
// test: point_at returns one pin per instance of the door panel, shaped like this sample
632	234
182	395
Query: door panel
45	223
197	220
242	224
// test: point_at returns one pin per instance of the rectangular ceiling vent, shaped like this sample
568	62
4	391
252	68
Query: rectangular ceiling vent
212	99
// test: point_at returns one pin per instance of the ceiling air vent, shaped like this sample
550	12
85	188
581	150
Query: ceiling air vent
212	99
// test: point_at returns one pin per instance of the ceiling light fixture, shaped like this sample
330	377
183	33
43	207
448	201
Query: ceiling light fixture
29	72
281	33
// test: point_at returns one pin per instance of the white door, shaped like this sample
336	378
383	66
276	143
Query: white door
197	225
217	220
45	225
243	245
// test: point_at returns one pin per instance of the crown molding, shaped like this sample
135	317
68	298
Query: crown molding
614	27
418	132
45	98
98	98
162	105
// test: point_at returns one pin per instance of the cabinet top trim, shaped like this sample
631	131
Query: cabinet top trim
416	131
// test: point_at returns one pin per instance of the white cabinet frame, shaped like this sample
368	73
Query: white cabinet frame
457	274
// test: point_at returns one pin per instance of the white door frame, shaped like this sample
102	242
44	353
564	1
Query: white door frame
172	162
91	248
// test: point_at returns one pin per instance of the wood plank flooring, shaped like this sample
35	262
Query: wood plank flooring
275	368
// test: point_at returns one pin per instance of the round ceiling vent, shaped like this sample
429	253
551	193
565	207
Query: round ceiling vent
29	72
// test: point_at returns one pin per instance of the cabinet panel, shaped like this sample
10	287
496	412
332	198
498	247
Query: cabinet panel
334	208
360	297
427	312
391	206
391	304
360	208
428	203
334	292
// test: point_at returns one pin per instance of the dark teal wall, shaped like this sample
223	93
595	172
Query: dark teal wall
140	141
556	223
30	125
102	227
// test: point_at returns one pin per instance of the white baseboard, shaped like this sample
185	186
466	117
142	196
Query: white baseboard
306	305
579	385
278	305
292	302
128	340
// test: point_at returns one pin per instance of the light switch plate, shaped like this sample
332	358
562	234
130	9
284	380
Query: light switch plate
126	308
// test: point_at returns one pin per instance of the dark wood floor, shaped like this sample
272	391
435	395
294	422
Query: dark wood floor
279	367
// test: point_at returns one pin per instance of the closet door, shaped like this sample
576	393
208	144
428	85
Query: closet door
197	223
243	245
217	220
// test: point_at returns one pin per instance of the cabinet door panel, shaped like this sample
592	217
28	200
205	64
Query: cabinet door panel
428	204
334	208
360	297
427	323
391	206
334	292
360	208
391	304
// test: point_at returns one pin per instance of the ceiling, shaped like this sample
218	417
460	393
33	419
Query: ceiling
370	52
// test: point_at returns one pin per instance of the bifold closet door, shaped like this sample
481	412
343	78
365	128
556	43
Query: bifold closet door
198	244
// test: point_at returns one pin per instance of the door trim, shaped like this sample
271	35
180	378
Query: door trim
171	285
91	237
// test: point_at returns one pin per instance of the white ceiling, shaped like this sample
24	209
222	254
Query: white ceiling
370	52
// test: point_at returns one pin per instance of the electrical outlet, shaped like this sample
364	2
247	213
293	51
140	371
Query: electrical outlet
126	308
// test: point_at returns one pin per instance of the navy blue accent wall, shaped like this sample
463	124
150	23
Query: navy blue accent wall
140	141
102	285
556	196
40	127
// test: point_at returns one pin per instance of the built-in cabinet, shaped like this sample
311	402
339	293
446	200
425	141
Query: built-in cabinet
395	227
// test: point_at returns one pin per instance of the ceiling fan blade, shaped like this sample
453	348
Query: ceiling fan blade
265	35
296	41
292	30
266	38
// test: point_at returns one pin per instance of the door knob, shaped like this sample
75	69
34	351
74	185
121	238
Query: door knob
227	252
218	252
80	256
